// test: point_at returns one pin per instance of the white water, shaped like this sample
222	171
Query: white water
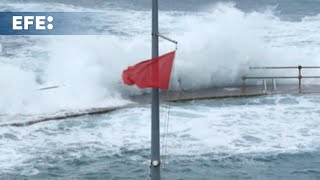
254	127
215	48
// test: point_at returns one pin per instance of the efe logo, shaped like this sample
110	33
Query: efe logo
23	22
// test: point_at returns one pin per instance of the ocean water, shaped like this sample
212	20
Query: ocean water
270	137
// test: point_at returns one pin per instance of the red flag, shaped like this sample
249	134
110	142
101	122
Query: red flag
153	73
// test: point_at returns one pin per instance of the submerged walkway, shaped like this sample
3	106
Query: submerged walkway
178	96
227	92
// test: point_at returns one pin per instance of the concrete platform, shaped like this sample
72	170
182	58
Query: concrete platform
178	96
226	92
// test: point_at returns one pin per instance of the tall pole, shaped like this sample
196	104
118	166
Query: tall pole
155	124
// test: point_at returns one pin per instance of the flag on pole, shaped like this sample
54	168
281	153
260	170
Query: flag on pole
152	73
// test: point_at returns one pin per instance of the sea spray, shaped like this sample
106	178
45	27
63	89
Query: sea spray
215	48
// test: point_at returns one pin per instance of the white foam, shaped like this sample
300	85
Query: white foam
268	126
215	48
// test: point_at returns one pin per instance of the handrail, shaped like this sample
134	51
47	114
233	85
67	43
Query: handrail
267	77
277	77
299	77
284	67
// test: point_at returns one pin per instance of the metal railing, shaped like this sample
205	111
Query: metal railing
299	77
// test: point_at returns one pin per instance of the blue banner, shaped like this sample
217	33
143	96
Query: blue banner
47	23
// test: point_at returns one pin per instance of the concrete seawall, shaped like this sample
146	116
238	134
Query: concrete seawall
177	96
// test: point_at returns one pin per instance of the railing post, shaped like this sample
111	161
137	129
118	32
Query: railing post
243	83
264	85
274	86
300	77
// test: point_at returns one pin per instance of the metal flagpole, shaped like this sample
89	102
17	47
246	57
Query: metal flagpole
155	124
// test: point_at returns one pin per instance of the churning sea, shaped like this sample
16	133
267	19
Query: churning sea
263	138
